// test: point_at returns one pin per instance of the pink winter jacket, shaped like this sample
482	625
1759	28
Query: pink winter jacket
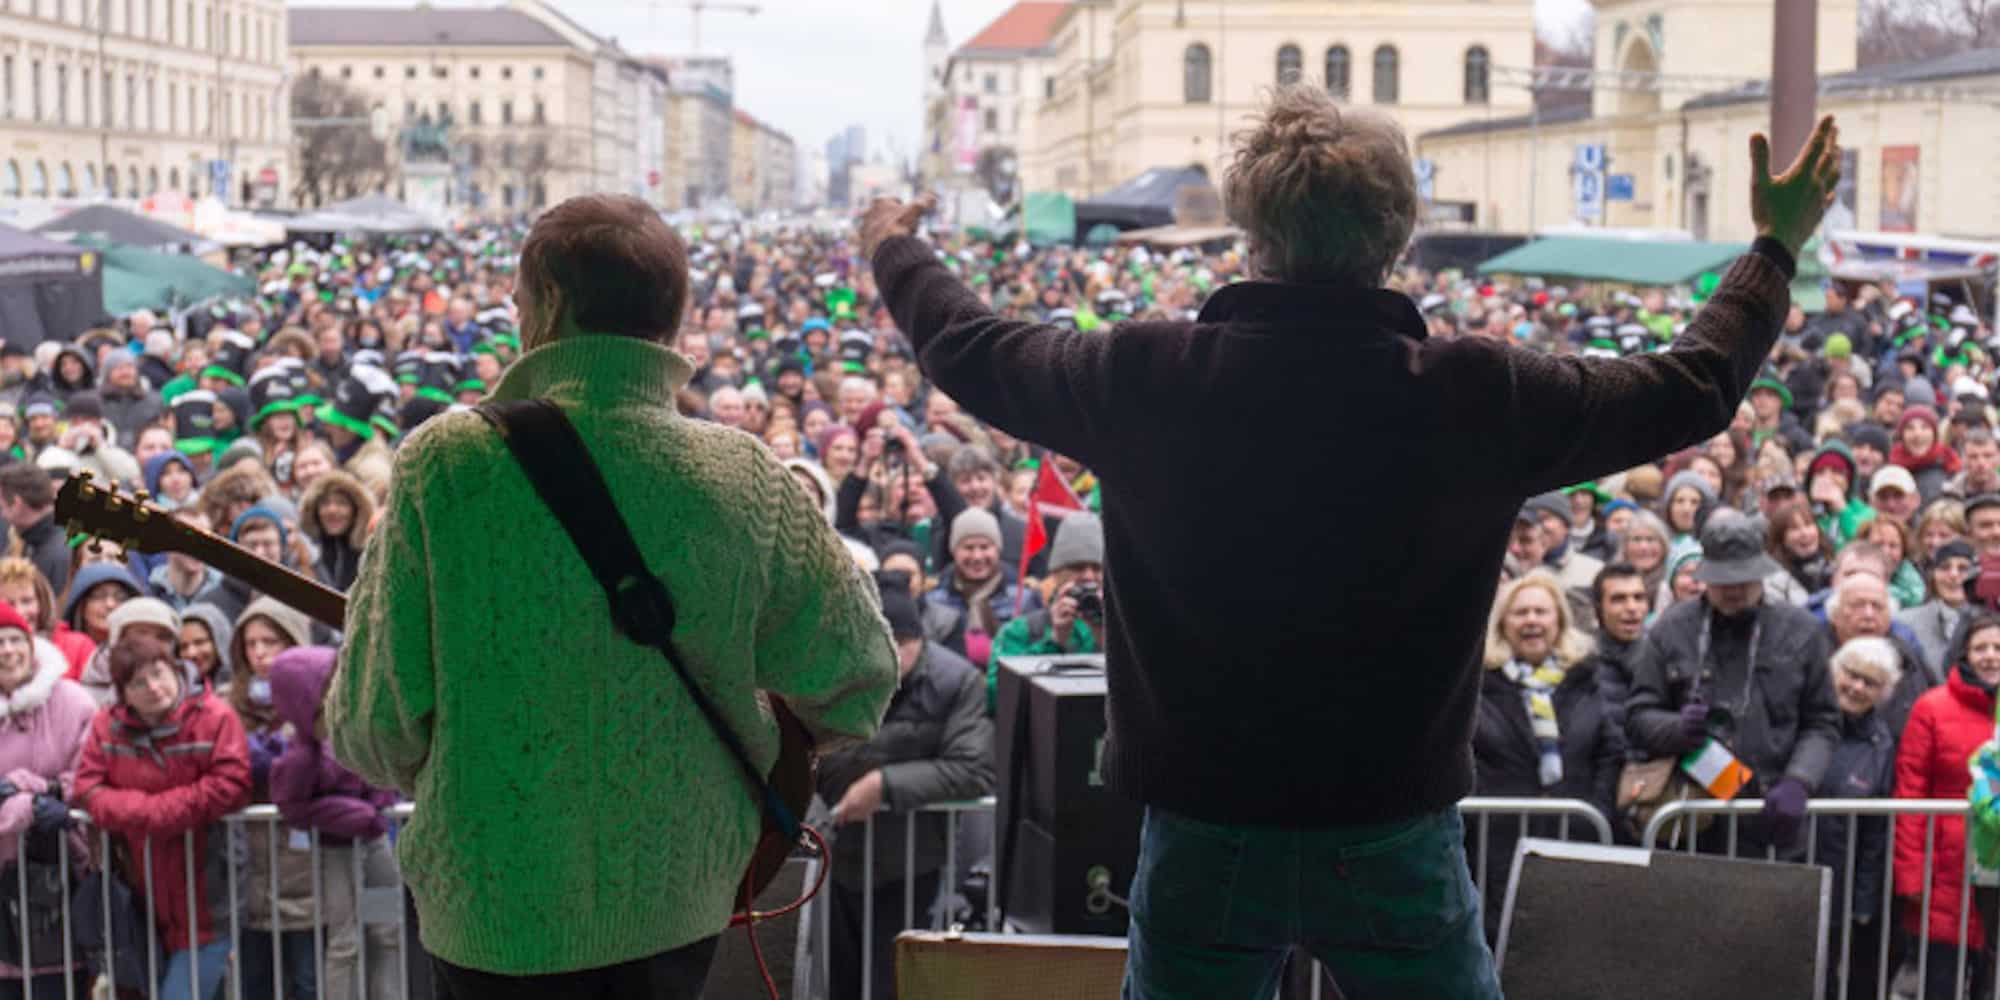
43	725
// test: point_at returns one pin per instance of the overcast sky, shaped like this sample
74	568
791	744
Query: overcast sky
811	67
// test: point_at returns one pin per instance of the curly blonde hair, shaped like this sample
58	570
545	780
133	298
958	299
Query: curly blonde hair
1326	194
1572	647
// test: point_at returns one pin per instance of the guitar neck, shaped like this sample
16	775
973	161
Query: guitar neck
319	602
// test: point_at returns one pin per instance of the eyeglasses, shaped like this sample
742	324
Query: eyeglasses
1867	682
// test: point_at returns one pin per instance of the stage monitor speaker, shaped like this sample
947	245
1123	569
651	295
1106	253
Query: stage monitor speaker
734	973
947	966
1075	843
1584	922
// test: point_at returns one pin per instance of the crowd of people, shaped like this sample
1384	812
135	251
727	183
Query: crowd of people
1805	591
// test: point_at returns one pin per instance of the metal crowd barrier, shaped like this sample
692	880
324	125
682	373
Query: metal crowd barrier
77	984
1480	813
1855	810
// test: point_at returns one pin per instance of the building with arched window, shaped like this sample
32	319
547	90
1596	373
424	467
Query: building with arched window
1140	84
112	91
980	97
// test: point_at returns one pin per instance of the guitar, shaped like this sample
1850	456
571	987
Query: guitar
84	508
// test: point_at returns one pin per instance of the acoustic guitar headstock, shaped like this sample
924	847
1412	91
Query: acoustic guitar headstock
85	508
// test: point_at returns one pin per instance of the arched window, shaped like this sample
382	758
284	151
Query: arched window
132	181
1337	71
1195	87
110	180
1291	65
10	182
38	180
65	182
1477	75
173	178
1385	75
90	178
153	180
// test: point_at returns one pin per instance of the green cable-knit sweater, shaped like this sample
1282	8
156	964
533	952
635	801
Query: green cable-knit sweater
573	809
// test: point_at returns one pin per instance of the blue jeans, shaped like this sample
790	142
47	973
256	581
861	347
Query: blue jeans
1389	909
213	962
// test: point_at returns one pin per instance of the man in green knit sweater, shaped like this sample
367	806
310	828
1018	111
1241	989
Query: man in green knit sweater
580	829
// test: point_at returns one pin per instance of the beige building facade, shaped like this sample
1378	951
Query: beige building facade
148	101
1136	84
519	96
1680	147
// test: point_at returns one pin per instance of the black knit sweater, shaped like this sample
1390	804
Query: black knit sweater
1306	505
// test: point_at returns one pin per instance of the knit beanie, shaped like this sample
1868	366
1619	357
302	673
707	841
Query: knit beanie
258	513
142	611
1079	542
1554	504
1918	392
974	523
1868	433
10	618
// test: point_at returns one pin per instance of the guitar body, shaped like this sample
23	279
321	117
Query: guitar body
792	778
86	509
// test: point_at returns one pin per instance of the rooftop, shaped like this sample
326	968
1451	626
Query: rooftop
1553	116
416	26
1025	27
1976	62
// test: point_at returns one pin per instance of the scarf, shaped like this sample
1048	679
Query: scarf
1538	685
1939	455
146	738
979	601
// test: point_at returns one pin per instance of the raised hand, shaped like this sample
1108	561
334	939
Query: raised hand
1789	206
887	218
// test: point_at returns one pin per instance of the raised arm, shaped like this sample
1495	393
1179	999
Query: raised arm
1041	383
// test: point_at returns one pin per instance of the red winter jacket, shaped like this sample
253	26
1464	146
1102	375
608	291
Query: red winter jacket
1946	726
182	784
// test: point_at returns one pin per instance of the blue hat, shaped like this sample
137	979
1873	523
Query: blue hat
258	513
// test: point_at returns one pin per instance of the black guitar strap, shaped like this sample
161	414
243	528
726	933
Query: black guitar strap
559	465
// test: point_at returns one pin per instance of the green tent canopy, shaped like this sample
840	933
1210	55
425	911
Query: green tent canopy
1632	262
142	279
1049	217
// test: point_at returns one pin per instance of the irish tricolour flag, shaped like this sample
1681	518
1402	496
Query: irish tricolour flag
1713	767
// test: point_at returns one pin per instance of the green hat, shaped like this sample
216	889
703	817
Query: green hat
1599	493
469	385
1776	386
1838	347
195	446
217	371
756	333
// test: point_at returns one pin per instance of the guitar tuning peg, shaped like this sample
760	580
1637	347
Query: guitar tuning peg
84	475
143	496
73	527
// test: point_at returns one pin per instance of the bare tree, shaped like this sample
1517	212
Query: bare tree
1572	51
1894	31
338	157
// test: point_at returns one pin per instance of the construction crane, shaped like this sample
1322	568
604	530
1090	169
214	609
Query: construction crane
696	8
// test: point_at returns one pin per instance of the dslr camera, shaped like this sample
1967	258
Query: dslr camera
1089	601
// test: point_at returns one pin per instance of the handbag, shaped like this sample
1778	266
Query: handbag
33	890
112	929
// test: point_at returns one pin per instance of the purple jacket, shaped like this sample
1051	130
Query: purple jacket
309	787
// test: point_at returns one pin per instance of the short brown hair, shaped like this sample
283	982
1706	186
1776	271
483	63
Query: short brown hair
28	481
620	269
134	652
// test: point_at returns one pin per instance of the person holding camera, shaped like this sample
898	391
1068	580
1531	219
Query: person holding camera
1745	672
1074	620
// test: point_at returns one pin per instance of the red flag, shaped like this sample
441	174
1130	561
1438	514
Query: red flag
1051	491
1037	540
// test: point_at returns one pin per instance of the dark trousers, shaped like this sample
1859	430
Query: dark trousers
670	975
261	968
844	935
1941	958
46	987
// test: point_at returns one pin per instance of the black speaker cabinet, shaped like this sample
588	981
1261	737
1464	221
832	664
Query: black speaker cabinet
1070	833
1584	922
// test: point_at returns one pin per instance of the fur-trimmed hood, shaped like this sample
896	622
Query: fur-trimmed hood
330	481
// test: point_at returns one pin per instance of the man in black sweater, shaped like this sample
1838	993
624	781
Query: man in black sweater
1300	748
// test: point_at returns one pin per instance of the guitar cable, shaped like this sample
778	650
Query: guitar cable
750	917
